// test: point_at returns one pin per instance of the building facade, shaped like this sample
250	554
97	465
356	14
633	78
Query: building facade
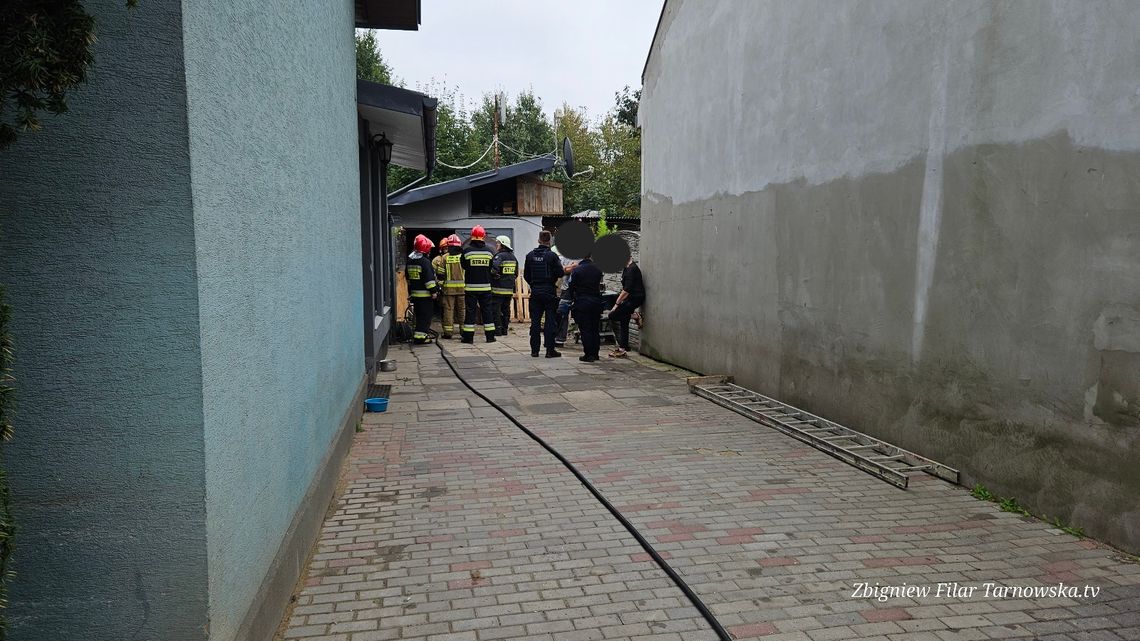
182	252
917	218
509	201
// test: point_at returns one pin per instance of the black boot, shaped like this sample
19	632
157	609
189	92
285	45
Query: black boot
490	338
551	353
534	353
467	339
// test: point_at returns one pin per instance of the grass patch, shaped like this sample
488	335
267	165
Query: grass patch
1010	504
980	492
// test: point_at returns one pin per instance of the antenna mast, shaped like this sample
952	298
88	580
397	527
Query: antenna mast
496	134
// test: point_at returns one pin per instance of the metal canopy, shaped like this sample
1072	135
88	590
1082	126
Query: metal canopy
535	165
388	14
406	117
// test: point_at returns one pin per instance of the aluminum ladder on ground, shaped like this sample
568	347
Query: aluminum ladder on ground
892	464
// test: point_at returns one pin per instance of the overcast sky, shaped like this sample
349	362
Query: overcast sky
577	51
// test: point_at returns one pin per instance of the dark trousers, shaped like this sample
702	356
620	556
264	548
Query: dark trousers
543	307
563	320
424	309
588	314
502	303
482	302
619	319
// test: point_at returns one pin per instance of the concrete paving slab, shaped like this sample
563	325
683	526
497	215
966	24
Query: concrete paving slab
461	527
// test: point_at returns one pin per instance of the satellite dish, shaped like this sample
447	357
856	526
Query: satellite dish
568	156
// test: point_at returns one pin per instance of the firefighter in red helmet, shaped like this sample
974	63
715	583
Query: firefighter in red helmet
450	273
476	263
422	287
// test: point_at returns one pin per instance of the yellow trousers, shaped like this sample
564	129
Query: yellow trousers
452	313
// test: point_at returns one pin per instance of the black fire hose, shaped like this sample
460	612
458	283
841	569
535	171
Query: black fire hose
645	545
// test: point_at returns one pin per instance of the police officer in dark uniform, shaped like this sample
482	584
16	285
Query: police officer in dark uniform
586	292
504	271
422	287
476	262
541	269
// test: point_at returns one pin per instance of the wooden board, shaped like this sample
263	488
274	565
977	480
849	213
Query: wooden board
520	305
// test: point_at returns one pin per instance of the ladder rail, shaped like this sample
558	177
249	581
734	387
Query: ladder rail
822	434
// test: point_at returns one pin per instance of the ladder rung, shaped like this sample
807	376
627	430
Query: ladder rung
825	435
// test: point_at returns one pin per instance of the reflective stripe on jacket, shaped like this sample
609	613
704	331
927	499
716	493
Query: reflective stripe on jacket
421	277
504	270
476	264
453	274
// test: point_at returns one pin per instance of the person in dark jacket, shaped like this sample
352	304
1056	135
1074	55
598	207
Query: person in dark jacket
422	287
476	261
631	297
541	270
585	291
504	271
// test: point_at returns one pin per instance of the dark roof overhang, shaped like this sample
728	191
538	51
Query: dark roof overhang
405	117
541	164
403	15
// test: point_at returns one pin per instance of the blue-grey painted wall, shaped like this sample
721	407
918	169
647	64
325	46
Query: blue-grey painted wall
273	141
182	252
97	254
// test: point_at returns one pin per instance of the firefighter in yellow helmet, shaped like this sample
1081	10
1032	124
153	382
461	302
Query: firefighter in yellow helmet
504	271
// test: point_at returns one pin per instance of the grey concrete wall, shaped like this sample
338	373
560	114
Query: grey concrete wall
919	218
97	255
454	210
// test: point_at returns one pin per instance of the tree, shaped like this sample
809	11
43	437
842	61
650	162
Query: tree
625	109
525	133
370	64
46	49
621	159
584	192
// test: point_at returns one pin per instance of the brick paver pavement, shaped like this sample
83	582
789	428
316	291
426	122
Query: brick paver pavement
453	525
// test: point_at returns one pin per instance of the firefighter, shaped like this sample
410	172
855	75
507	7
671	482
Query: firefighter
449	272
437	266
422	287
504	270
476	261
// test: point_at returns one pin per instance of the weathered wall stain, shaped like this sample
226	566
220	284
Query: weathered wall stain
918	218
1027	313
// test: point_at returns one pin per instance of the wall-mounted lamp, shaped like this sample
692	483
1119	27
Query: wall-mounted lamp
385	146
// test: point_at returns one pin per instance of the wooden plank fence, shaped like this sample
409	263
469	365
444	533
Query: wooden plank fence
520	306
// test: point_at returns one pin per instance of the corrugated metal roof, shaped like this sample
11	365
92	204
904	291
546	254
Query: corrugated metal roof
535	165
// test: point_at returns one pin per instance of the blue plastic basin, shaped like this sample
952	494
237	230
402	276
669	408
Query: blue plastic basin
376	404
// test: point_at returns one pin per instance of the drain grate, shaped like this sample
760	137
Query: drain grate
379	391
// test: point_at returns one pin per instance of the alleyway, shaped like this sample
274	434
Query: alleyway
453	525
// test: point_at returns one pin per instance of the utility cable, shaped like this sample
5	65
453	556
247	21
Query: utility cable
469	165
721	633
